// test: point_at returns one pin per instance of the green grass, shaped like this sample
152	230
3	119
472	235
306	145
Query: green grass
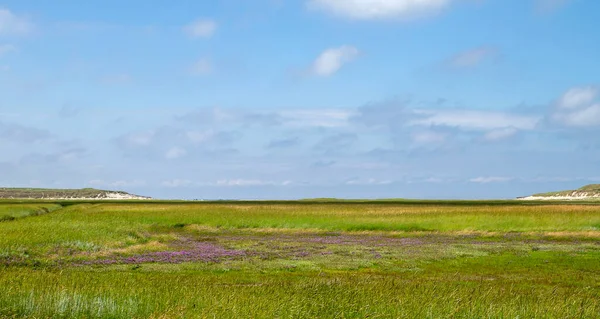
111	224
302	260
309	295
12	212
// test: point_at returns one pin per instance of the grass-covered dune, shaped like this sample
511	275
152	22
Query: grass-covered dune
589	192
301	260
52	193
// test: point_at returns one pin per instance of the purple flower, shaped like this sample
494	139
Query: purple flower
194	252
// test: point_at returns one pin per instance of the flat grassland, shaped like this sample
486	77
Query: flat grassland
320	259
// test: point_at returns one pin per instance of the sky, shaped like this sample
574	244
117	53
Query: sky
286	99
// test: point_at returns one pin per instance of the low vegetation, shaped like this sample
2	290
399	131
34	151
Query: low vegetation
12	212
301	260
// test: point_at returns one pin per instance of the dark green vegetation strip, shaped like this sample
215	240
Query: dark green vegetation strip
299	260
310	202
13	212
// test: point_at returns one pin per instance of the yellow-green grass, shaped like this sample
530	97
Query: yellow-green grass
130	294
291	260
11	212
110	223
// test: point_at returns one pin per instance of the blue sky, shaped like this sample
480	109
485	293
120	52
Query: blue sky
301	98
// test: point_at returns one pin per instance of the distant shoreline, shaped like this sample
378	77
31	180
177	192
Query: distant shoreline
67	194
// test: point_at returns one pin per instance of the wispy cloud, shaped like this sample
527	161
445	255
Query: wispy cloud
248	182
291	118
283	143
428	137
175	153
379	9
12	24
66	155
176	183
368	181
336	143
171	142
201	28
316	117
490	179
235	182
583	117
472	57
474	119
18	133
577	97
117	183
331	60
578	107
7	48
203	66
69	111
500	134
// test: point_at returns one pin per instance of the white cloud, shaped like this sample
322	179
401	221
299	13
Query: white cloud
175	183
435	180
175	153
475	120
428	137
471	58
584	117
199	137
201	28
11	24
119	183
578	97
293	118
249	182
370	181
202	67
379	9
500	134
318	118
140	138
7	48
332	60
125	183
490	179
578	107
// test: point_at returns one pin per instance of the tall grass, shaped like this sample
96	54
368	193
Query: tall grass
12	212
113	223
80	294
322	260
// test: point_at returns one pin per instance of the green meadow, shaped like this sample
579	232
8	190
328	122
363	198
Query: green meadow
304	259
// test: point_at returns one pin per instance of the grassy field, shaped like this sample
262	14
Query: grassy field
11	212
300	260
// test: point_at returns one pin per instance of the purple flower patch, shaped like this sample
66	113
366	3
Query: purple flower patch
192	252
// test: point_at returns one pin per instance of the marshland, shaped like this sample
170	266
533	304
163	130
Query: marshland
300	259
